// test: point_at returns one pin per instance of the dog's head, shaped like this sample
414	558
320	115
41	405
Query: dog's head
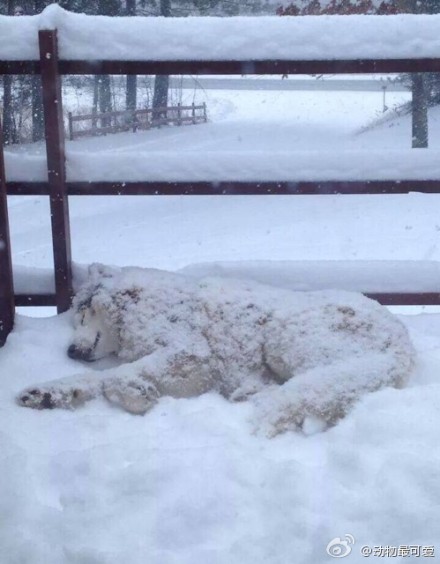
116	307
96	335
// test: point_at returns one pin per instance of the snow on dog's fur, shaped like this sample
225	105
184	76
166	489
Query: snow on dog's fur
296	355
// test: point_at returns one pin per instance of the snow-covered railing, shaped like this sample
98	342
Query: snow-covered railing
295	42
273	45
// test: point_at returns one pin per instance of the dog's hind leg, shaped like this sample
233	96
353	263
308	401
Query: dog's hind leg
327	393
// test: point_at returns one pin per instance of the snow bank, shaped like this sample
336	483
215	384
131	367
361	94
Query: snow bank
29	280
255	166
238	38
33	280
356	276
23	165
217	166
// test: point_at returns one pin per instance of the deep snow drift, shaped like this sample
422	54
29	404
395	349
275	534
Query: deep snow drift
190	483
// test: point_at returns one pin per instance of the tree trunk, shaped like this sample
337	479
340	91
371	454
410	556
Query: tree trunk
409	6
165	8
95	100
161	82
37	93
131	92
160	96
131	87
8	120
106	8
419	95
427	7
39	6
419	112
105	99
37	109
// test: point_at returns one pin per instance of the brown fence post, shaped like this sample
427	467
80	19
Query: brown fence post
204	112
194	113
7	306
59	207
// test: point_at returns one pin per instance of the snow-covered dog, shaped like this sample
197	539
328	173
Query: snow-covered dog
295	354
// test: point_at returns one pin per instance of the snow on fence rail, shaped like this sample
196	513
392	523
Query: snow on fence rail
197	46
309	38
137	119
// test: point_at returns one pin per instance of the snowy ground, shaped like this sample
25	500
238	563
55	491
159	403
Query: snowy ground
188	482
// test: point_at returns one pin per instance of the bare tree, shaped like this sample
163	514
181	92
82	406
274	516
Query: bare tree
9	133
419	93
37	92
131	88
161	82
106	8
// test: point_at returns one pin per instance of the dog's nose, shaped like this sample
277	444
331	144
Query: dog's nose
73	352
77	353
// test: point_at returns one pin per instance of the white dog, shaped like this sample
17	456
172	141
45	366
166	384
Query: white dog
295	354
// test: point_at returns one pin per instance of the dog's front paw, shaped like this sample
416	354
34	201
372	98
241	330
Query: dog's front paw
51	398
35	398
134	395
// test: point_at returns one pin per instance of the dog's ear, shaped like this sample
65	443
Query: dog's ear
122	297
98	271
84	297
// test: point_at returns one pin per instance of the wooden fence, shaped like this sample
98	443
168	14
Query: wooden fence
58	189
132	120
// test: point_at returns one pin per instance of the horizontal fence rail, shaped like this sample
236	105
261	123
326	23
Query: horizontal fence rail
347	66
378	187
384	298
35	300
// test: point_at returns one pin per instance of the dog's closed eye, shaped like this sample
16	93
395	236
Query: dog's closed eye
98	338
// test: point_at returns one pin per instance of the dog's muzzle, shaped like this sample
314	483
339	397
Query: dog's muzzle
76	353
